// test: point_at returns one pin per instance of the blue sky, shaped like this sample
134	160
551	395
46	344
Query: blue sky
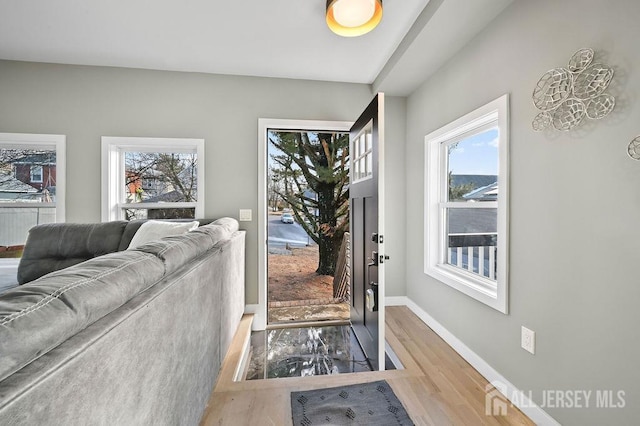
476	155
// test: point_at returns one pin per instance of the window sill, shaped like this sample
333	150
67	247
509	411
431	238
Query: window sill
476	287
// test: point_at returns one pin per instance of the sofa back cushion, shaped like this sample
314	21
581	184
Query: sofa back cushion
36	317
54	246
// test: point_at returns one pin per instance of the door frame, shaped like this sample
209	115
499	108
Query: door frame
264	124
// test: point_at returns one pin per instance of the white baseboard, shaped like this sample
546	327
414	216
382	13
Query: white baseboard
526	405
396	301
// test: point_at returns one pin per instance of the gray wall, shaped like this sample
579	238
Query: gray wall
86	103
395	195
575	204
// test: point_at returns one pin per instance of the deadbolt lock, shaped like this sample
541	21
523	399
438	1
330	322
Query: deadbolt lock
377	238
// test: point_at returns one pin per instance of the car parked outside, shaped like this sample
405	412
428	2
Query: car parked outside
286	218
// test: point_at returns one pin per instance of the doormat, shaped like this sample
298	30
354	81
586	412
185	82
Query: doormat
372	404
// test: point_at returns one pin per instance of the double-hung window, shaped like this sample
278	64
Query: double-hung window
32	183
466	201
152	178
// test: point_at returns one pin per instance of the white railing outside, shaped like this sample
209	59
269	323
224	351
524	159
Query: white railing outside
479	260
15	221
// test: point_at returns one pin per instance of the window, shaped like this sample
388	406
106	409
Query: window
362	157
466	202
36	174
152	178
32	178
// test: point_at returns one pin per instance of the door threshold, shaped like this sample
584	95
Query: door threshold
302	324
304	351
391	357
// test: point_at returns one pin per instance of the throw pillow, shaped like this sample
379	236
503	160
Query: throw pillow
153	230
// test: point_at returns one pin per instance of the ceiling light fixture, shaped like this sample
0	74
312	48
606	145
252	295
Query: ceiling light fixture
351	18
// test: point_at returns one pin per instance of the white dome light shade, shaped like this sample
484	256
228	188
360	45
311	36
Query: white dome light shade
352	18
353	13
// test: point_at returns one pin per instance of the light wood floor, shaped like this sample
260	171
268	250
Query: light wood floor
437	387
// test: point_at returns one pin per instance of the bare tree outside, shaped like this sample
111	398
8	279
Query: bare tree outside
274	187
159	177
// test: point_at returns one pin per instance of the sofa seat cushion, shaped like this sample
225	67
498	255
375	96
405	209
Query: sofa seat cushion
55	246
36	317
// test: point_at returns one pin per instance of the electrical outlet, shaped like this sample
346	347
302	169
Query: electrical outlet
528	340
245	215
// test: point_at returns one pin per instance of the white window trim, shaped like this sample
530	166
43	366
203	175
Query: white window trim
42	141
113	165
477	287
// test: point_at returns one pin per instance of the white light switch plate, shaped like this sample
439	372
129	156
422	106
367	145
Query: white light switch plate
245	215
528	340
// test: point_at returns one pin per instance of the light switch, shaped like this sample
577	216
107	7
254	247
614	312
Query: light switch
245	215
528	340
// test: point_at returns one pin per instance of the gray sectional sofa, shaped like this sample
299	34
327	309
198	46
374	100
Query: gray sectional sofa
128	337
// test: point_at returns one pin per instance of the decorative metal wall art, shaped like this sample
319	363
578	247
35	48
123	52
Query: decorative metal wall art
634	148
565	96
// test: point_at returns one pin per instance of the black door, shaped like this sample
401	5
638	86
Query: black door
367	276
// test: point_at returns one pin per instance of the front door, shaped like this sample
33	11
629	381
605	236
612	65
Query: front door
366	206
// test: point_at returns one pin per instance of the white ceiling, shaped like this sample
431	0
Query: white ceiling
441	30
269	38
